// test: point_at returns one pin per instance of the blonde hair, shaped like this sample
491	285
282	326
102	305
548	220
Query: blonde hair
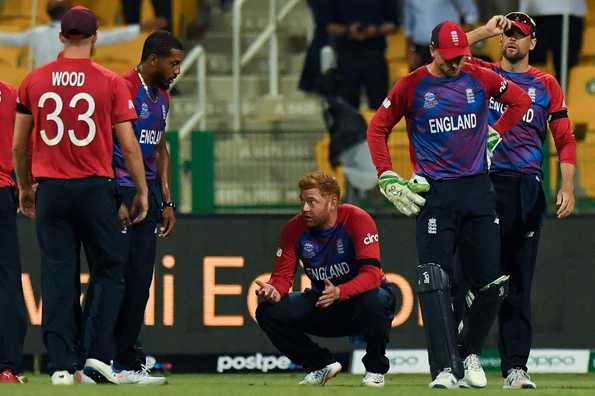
326	183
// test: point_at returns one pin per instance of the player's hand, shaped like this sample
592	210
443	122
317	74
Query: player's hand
140	207
565	202
169	222
124	214
494	140
497	24
267	292
399	193
153	24
27	202
330	294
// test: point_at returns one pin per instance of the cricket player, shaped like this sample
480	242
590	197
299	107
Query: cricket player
13	320
445	104
339	247
148	83
518	179
66	110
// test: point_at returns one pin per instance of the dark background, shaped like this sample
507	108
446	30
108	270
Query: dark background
564	286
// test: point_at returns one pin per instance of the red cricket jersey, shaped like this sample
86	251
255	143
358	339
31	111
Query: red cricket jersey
74	103
8	102
348	254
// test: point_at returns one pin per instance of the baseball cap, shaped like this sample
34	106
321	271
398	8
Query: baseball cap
79	23
522	22
450	40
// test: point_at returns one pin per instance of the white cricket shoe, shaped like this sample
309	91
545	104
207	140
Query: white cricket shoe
518	379
140	377
373	379
475	377
322	376
100	372
444	380
62	377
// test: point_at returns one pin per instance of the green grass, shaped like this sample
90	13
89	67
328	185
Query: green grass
286	385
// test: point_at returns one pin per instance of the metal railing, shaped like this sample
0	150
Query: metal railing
239	60
196	55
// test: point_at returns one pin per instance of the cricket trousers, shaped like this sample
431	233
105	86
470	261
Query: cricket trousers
459	219
139	247
13	320
288	323
71	212
520	205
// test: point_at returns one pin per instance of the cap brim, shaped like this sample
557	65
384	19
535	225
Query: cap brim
451	53
521	27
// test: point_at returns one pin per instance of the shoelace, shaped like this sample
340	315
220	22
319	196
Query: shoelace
374	377
473	362
316	376
518	374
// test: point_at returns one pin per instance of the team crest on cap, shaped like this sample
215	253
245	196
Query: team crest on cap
430	100
454	36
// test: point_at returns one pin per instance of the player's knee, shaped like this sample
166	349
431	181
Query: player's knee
431	277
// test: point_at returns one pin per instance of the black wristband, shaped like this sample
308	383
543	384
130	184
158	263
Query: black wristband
170	204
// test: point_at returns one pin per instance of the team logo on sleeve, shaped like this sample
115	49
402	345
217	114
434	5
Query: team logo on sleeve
430	100
279	252
503	87
370	239
386	103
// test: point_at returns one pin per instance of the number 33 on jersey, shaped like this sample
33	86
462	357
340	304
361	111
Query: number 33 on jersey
74	104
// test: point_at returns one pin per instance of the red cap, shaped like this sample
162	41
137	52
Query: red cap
450	40
79	23
523	22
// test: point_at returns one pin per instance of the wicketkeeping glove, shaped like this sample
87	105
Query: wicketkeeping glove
494	140
402	193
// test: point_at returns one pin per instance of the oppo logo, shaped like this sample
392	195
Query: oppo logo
550	361
370	239
396	361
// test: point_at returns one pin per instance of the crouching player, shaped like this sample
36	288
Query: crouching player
339	248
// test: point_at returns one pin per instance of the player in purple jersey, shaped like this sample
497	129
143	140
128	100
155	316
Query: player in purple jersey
517	177
160	64
445	105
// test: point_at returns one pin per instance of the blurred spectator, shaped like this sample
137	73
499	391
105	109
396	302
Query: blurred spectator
358	29
162	8
489	8
311	71
43	41
420	17
548	16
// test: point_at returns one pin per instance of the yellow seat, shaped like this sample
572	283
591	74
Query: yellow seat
13	75
581	95
13	57
396	46
585	152
588	49
323	162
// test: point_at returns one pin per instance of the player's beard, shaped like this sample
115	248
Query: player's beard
162	82
514	55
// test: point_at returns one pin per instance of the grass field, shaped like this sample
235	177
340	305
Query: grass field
286	385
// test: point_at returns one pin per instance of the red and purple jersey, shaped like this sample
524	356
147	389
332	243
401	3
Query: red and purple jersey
521	149
152	106
447	120
8	103
348	254
74	104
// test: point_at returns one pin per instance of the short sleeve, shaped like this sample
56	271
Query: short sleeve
495	84
364	234
122	104
557	102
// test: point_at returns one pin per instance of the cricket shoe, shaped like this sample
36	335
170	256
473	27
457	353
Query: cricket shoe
374	380
100	372
322	376
81	378
475	377
444	380
62	377
139	377
8	377
518	379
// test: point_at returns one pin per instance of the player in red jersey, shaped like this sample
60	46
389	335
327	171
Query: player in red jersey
67	110
12	304
339	248
516	173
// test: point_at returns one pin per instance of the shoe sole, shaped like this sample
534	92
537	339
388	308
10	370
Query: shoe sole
374	385
332	375
516	388
97	375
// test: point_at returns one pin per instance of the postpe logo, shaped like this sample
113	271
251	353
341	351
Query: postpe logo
254	362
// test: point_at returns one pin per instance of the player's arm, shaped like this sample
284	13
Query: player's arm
565	142
134	164
163	173
23	126
497	25
15	39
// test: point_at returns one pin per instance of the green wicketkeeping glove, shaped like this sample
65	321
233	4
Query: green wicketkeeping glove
401	192
494	140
